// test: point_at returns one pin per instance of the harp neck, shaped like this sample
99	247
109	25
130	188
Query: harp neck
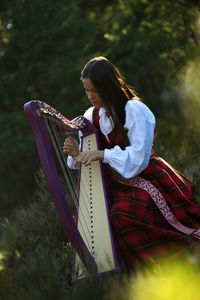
32	109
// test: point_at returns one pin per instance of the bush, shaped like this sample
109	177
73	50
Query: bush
37	260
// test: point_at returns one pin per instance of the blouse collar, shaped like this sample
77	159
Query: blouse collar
106	123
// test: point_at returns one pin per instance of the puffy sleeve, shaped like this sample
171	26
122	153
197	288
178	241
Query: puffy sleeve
140	123
70	162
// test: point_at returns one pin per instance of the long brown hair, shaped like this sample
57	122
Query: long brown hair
111	86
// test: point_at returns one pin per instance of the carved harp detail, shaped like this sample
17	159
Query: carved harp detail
91	235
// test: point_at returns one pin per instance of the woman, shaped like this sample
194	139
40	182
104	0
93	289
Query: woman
149	197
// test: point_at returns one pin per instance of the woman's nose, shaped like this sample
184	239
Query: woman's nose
90	95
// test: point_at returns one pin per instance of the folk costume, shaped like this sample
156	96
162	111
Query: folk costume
136	177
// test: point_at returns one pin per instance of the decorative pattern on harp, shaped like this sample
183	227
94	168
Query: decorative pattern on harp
91	235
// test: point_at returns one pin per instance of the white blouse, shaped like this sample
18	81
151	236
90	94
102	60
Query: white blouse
140	125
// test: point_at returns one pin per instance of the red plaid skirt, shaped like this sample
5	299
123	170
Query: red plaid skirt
142	233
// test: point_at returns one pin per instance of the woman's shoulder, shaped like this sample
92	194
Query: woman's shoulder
88	113
137	108
137	105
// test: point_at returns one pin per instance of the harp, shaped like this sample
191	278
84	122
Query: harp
91	234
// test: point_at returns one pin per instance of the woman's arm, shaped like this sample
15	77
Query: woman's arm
86	157
71	147
140	123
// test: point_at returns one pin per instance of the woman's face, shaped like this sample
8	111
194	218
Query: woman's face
92	93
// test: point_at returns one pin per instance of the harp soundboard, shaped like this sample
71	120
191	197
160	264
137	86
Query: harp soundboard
91	234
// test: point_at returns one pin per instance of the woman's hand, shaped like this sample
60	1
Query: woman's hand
71	147
87	157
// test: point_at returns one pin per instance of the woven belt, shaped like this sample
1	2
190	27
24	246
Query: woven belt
158	199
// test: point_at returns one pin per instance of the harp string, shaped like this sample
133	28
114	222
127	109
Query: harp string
54	140
72	173
61	158
84	171
70	176
82	193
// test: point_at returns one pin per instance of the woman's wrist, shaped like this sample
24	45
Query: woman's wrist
101	154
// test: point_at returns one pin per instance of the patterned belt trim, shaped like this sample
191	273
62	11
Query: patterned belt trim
158	199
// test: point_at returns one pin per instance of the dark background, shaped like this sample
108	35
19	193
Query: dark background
44	46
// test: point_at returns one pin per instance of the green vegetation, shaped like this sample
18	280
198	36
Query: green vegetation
36	257
43	47
36	263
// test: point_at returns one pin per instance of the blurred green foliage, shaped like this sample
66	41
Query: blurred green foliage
43	47
175	279
35	255
45	44
36	263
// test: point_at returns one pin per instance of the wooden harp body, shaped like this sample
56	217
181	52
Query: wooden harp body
91	234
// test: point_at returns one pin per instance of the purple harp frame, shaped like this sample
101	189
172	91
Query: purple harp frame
43	144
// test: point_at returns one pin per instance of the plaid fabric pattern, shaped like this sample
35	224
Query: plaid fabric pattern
141	231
